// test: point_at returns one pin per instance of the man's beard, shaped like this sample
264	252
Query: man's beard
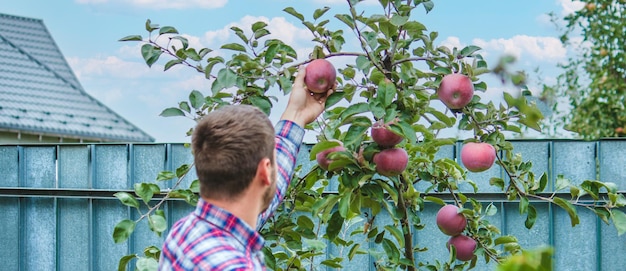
269	194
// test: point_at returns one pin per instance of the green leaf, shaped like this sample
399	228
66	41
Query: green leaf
543	181
132	38
491	209
619	219
234	47
123	230
571	210
355	134
344	205
334	263
335	223
395	231
499	182
531	217
172	112
258	25
353	251
386	93
469	50
225	79
168	30
407	131
196	99
195	186
323	145
505	239
523	205
262	103
270	260
184	41
428	6
602	213
346	19
391	250
147	264
123	263
319	12
150	54
157	223
561	183
294	13
305	222
182	170
362	63
172	63
334	98
144	191
165	175
127	199
261	33
353	110
435	200
150	26
152	252
398	20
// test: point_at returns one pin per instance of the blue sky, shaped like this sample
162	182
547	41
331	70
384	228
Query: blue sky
87	33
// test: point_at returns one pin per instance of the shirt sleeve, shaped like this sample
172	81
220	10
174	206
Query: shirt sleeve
288	140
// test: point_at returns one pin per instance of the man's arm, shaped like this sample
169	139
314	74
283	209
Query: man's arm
302	108
288	140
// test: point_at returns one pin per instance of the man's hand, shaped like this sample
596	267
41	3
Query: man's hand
304	106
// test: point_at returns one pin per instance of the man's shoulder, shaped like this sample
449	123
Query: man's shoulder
196	230
193	242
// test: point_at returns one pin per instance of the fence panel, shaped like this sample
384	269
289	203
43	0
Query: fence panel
59	209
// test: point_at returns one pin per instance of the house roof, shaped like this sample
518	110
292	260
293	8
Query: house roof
40	94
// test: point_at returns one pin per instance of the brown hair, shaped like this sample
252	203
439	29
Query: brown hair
228	144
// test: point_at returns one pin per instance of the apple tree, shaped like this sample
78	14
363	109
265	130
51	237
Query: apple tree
377	142
593	79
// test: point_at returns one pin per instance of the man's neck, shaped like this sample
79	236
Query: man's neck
242	208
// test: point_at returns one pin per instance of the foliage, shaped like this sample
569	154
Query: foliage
593	81
393	76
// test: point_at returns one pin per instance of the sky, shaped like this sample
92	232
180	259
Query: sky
87	33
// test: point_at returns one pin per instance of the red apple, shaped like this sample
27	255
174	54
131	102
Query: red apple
320	76
391	162
477	157
383	136
456	90
464	246
322	156
450	221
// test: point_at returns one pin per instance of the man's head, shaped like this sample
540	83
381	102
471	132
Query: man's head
228	145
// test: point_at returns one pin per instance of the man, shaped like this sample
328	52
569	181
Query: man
244	166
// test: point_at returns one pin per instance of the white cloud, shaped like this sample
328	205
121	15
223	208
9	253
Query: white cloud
279	28
336	2
452	42
107	66
569	6
523	46
162	4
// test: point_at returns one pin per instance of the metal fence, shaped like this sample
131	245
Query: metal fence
58	211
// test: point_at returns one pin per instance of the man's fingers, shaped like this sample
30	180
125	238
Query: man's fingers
299	81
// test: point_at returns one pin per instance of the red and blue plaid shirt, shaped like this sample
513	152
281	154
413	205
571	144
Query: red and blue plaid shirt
211	238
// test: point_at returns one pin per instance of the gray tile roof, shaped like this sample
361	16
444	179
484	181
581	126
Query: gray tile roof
40	94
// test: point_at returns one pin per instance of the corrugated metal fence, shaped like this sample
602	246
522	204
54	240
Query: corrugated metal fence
58	211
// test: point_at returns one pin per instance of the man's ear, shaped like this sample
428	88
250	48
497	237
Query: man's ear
264	171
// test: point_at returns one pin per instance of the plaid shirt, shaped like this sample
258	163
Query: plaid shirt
211	238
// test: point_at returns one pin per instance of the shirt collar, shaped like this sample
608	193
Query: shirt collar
228	222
